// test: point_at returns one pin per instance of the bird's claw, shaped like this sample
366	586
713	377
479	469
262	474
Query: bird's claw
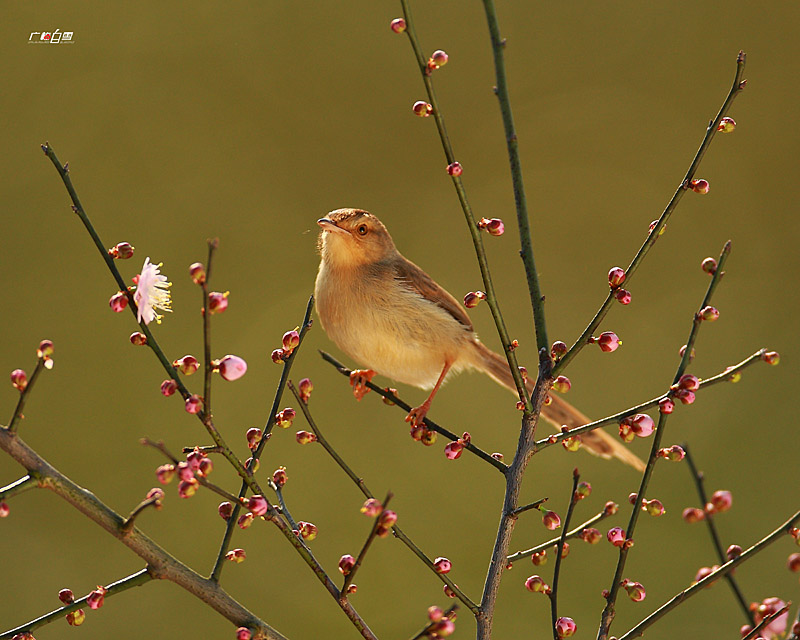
417	415
359	379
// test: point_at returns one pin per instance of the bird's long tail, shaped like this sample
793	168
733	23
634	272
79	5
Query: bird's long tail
559	412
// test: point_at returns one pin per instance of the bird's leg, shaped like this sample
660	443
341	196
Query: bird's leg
359	379
417	415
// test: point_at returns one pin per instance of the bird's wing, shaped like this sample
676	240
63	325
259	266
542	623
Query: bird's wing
417	280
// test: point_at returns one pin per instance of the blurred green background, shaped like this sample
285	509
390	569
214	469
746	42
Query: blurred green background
248	121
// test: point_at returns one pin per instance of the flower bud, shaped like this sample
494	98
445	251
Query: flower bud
689	382
494	226
616	536
76	618
232	367
198	272
346	564
616	276
709	265
252	464
654	507
121	251
258	505
193	404
428	437
4	509
539	558
583	490
536	584
96	597
279	476
187	488
285	418
693	514
398	25
453	450
666	405
307	530
572	443
709	314
700	186
168	387
771	357
448	591
278	356
565	627
626	432
305	437
443	628
435	613
675	453
19	379
590	535
206	467
726	125
685	396
187	365
473	298
558	350
623	296
236	555
551	520
438	59
497	456
442	565
291	340
243	633
608	341
682	350
387	518
138	338
721	501
218	302
371	508
253	435
304	388
733	551
422	109
454	169
45	350
635	591
118	302
245	520
562	384
610	508
705	571
225	510
165	473
66	596
793	562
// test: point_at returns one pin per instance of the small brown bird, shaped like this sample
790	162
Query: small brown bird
390	316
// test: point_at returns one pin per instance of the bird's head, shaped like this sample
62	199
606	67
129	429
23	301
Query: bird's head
353	237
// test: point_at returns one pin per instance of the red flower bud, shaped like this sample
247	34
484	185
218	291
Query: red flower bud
278	356
96	597
346	564
709	265
307	530
258	505
558	350
442	565
243	633
304	388
665	405
121	251
66	596
700	186
398	25
709	314
536	584
453	450
565	627
187	365
721	501
616	536
279	476
693	514
291	340
454	169
616	276
19	379
198	273
422	109
168	387
608	341
305	437
193	404
118	302
225	510
218	302
590	535
165	473
232	367
473	298
623	296
726	125
236	555
771	357
562	384
76	618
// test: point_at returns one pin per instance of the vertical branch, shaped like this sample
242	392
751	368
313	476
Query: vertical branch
208	368
520	199
560	549
23	396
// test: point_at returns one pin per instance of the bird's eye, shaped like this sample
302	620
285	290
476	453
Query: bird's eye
362	230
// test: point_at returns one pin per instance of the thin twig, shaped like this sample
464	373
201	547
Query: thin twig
520	199
359	482
394	399
207	366
582	341
609	611
552	543
18	486
712	577
531	505
477	239
559	551
23	396
697	477
348	579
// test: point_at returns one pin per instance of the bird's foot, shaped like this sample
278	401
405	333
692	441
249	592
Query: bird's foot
359	379
417	415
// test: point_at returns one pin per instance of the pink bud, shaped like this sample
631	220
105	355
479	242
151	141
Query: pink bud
623	296
442	565
225	510
304	387
689	382
118	302
733	551
346	564
726	125
371	508
398	25
608	341
307	530
243	633
218	302
4	509
536	584
198	273
232	367
236	555
583	490
709	265
253	435
539	558
551	520
635	591
187	365
793	562
285	418
454	169
642	425
590	535
682	350
616	536
19	379
279	476
654	507
258	505
76	618
435	613
693	514
665	405
494	226
685	396
705	571
165	473
193	404
443	628
675	453
278	356
438	58
562	384
305	437
45	349
473	298
771	357
709	314
721	501
616	276
626	432
453	450
138	338
558	350
96	597
700	186
291	340
565	627
66	596
168	387
387	518
245	520
187	488
121	251
610	508
422	109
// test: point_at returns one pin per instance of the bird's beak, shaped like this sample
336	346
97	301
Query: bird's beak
329	225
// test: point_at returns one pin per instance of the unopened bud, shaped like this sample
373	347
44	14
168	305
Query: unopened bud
225	510
616	276
19	379
168	387
121	251
709	265
218	302
454	169
700	186
562	384
623	296
291	340
118	302
771	357
473	298
398	25
726	125
304	388
232	367
453	450
442	565
536	584
346	564
305	437
308	531
198	273
558	350
693	514
709	314
187	365
665	405
422	109
689	382
193	404
608	341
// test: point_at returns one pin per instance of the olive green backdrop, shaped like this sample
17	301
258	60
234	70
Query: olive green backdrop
248	121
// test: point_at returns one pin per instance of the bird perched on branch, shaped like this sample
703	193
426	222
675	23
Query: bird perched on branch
390	316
